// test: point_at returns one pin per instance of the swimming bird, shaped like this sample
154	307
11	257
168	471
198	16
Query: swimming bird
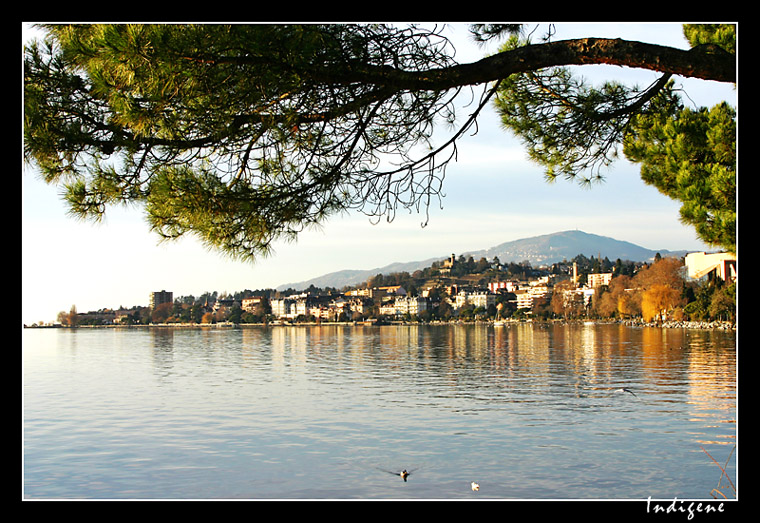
403	474
474	486
625	389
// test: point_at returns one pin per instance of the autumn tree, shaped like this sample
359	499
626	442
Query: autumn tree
660	287
162	312
628	304
615	300
248	134
668	271
70	318
658	300
565	301
62	318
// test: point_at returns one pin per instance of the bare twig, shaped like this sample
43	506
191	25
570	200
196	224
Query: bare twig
723	470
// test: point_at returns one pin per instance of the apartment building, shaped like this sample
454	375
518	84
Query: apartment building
402	305
508	286
160	297
536	292
474	298
284	307
597	280
524	299
411	305
250	304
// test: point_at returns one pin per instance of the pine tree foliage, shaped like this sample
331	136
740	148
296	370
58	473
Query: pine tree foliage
248	134
576	131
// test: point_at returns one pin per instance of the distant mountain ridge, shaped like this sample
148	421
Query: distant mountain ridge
565	245
537	250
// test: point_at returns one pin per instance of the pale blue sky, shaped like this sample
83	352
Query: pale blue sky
493	195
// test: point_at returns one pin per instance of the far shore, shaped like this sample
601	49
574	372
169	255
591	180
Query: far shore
719	325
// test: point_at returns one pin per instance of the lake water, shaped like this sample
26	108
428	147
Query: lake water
333	412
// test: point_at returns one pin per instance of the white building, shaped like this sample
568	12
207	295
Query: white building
578	294
476	299
535	292
290	306
402	305
509	286
597	280
524	299
388	309
700	264
540	289
281	307
250	304
411	305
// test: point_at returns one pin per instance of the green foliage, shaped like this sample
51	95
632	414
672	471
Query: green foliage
246	134
562	121
575	131
713	300
722	35
690	156
239	134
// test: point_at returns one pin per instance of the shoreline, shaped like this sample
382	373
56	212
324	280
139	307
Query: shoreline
698	325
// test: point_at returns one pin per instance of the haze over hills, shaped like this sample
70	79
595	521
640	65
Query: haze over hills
537	250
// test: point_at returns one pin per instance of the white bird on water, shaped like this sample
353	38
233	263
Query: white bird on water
474	486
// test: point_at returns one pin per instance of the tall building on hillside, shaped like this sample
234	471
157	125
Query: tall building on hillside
157	298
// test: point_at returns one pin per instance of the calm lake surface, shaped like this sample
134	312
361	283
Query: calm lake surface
330	412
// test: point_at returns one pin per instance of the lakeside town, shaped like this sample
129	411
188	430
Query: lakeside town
698	289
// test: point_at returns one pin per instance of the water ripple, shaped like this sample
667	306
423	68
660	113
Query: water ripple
313	412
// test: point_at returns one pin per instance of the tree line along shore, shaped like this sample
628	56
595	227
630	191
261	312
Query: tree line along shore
634	293
703	325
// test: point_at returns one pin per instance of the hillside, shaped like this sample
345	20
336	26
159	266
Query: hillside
565	245
537	250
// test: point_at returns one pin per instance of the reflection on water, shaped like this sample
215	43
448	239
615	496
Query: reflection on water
527	411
